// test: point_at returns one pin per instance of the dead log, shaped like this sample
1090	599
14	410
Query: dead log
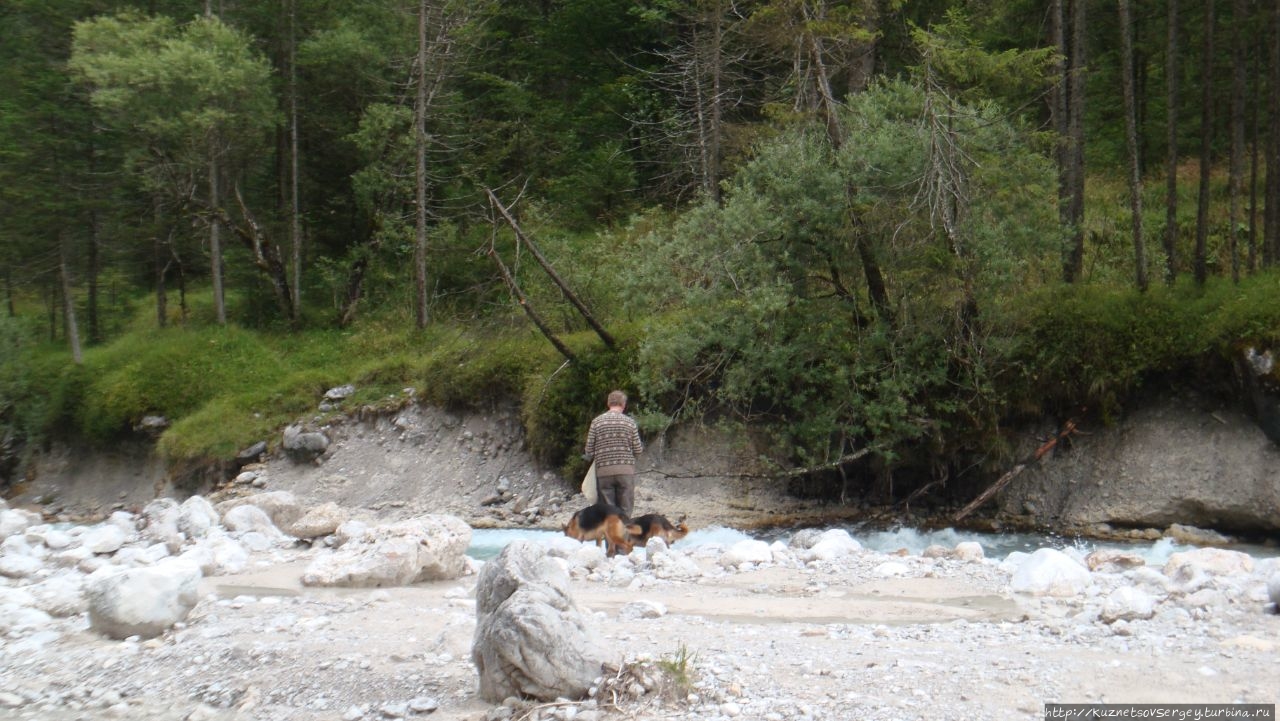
528	309
265	255
555	277
1067	429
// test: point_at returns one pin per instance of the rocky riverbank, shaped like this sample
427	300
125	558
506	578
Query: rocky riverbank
816	628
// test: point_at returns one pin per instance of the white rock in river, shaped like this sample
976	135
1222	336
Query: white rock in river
743	552
1049	572
1192	570
104	538
832	544
969	551
16	520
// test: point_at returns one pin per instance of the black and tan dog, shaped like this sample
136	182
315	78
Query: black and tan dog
603	523
653	525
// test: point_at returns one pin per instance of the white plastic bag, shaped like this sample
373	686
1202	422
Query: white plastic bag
589	484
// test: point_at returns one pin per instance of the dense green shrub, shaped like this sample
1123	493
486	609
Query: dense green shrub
1094	345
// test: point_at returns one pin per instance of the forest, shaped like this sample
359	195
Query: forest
878	237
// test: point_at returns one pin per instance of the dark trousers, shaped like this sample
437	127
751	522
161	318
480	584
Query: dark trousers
618	491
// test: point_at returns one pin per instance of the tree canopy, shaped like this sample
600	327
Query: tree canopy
830	218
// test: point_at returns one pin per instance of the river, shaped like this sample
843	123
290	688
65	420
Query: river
487	543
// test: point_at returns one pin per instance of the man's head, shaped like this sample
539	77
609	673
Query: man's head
617	399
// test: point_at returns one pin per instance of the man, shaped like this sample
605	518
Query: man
613	442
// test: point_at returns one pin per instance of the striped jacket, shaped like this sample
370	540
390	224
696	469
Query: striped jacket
613	442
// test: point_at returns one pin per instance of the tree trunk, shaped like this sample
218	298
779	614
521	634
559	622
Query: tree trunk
354	291
159	257
1255	133
1066	29
1131	139
69	305
1075	147
266	256
94	269
876	288
863	67
215	236
95	256
1171	138
51	304
295	211
184	311
716	128
420	180
215	202
1239	10
1206	149
8	289
1271	215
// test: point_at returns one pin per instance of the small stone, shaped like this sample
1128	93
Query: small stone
395	710
730	709
423	704
353	713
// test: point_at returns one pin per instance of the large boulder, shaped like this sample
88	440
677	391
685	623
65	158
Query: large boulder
832	544
302	445
428	548
1127	604
745	552
281	506
321	520
16	520
196	516
159	523
217	554
250	519
104	538
142	601
1050	572
1195	569
531	639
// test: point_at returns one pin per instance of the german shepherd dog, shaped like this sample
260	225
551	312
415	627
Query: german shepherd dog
653	525
603	523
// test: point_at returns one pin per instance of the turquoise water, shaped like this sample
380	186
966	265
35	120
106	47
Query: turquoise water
487	543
